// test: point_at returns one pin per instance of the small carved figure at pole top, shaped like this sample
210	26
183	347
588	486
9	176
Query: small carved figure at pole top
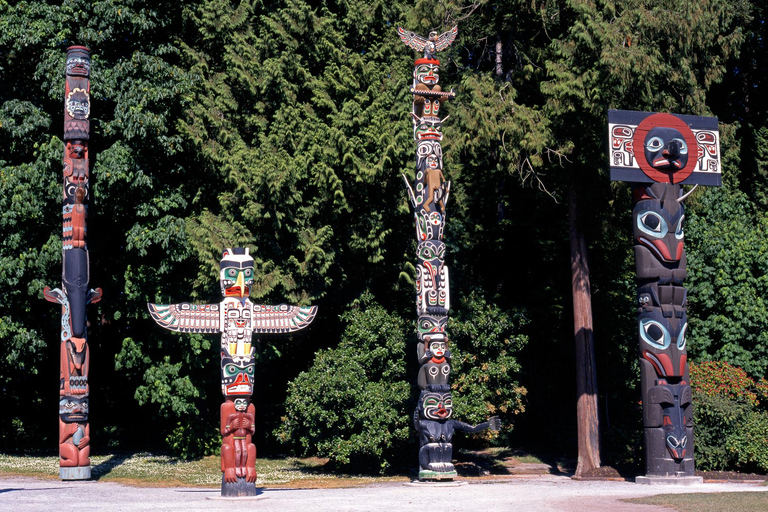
75	294
237	319
429	196
659	153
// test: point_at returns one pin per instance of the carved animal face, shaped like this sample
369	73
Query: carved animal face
237	376
73	409
436	406
659	229
236	274
433	326
662	341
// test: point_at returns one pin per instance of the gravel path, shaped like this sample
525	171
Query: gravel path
530	493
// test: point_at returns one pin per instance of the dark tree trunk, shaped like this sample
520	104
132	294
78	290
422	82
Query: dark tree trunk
586	377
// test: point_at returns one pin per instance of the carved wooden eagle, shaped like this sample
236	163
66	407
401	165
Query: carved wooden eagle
431	44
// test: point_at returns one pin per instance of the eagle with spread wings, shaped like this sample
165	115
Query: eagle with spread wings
430	44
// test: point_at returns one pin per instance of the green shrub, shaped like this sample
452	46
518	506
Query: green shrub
194	440
351	406
730	423
715	420
485	341
749	442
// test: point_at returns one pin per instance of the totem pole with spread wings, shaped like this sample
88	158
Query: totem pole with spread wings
428	197
237	319
659	153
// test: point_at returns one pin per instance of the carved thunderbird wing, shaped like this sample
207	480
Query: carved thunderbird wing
446	38
281	318
412	39
187	317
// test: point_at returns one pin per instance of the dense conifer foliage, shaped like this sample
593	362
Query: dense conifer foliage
284	126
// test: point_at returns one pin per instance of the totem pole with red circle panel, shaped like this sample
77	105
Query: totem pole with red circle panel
660	154
74	294
429	196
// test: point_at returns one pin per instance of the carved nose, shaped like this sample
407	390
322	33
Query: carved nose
672	150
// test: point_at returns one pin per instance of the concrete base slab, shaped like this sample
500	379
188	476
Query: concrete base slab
669	480
75	473
445	483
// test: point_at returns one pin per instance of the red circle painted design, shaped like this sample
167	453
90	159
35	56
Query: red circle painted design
665	121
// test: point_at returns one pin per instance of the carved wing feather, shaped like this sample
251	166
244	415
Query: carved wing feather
412	39
281	318
187	317
446	38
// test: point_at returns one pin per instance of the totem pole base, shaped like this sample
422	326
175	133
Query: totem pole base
426	474
669	480
75	473
239	489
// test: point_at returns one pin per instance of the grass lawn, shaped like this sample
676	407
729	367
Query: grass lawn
145	469
703	502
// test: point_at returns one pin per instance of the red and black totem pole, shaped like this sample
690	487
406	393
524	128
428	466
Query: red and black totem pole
659	154
429	197
74	294
237	319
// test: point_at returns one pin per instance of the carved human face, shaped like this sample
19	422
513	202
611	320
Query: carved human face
78	62
666	149
78	104
241	404
428	74
437	348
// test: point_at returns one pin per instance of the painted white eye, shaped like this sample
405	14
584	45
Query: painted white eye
684	441
433	371
679	229
654	334
652	224
654	144
681	338
672	441
446	370
683	146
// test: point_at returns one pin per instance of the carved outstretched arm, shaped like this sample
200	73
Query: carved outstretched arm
493	424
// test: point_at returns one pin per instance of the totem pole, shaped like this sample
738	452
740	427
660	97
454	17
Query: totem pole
237	319
74	294
659	153
432	417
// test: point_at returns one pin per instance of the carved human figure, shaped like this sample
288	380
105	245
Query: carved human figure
238	453
435	426
74	432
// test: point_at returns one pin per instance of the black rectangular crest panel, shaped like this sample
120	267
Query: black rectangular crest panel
647	147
